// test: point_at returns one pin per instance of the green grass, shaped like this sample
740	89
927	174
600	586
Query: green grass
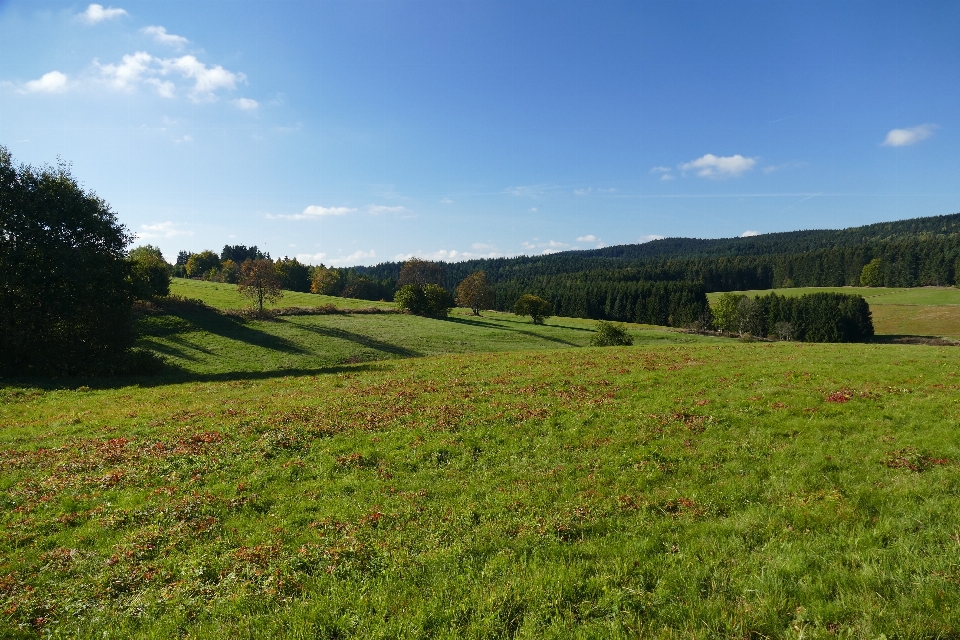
921	311
693	490
203	343
225	296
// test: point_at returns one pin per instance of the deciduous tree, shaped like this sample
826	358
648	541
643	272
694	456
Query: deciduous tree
537	308
260	282
475	293
325	281
149	273
420	272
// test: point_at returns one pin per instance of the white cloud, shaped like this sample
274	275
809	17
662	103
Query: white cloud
313	212
667	176
711	166
160	35
660	170
128	72
143	67
582	192
246	104
448	255
186	138
207	80
650	238
533	209
479	246
354	257
51	82
377	209
749	234
161	230
311	258
588	238
912	135
545	248
96	13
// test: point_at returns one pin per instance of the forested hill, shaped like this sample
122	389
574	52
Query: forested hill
915	251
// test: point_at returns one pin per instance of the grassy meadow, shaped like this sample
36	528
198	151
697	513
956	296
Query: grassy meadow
921	311
385	476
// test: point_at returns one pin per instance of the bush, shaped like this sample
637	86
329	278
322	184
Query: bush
430	300
149	273
610	334
537	308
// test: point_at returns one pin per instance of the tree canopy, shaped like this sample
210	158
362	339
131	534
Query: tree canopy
259	282
475	293
65	294
537	308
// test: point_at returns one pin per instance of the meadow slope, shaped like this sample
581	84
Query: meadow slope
714	488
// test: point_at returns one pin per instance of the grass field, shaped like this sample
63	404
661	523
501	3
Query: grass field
922	311
711	489
388	476
225	296
200	342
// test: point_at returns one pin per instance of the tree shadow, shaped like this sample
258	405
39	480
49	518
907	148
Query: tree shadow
173	374
357	338
894	338
232	328
492	325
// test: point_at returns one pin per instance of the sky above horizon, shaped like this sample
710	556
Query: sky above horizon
363	132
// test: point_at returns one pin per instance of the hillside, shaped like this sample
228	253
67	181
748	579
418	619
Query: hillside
685	249
202	342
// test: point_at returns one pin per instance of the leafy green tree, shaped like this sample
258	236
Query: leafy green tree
475	293
200	264
611	334
420	272
294	274
149	273
537	308
872	274
325	281
229	272
430	300
726	312
65	296
260	282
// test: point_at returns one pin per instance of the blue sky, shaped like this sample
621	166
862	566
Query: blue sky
360	132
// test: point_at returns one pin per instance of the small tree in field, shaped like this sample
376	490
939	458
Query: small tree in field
537	308
611	334
325	281
474	293
260	282
872	274
431	300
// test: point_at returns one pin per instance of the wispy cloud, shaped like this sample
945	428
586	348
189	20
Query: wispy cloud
313	212
51	82
161	230
451	255
141	67
660	170
160	35
749	234
544	248
377	209
711	166
588	238
246	104
354	258
311	258
96	13
649	238
911	135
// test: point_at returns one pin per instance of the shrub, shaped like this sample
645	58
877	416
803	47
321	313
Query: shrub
537	308
430	300
610	334
149	273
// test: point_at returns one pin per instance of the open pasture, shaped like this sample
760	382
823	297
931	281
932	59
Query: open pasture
706	489
920	311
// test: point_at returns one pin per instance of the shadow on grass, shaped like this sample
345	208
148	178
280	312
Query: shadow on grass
175	375
532	334
895	338
230	327
357	338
